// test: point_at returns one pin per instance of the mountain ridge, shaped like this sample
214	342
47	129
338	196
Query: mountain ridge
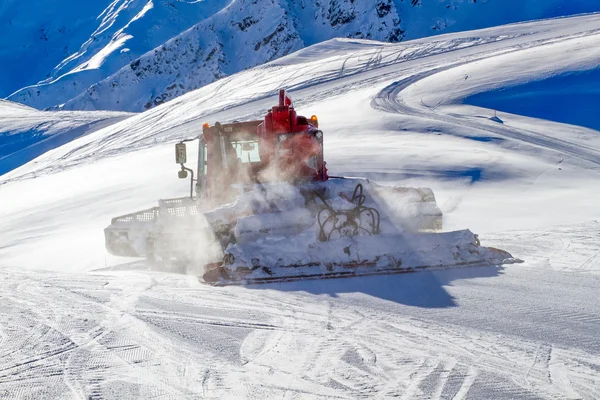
131	74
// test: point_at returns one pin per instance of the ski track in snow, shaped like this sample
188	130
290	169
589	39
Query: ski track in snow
519	331
152	334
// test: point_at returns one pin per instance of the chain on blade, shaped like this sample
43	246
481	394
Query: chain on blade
348	222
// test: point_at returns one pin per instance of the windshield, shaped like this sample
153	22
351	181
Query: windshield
246	151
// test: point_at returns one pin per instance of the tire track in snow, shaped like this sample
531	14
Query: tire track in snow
424	371
510	366
592	263
458	382
91	360
501	358
447	368
540	365
368	351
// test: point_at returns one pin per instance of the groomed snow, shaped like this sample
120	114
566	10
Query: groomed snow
76	322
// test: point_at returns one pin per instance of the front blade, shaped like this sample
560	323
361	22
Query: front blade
296	259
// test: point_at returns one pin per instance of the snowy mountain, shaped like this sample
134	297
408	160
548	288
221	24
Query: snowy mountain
132	55
79	323
72	44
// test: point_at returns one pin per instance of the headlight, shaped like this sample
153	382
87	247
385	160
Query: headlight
319	135
282	138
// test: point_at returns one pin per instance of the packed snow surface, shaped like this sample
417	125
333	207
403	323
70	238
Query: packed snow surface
77	323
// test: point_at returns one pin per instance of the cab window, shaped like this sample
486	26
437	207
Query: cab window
246	151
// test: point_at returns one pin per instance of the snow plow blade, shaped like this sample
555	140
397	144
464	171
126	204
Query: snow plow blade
350	257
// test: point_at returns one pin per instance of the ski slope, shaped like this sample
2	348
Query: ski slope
26	133
78	323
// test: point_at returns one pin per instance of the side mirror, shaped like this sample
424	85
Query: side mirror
182	174
180	154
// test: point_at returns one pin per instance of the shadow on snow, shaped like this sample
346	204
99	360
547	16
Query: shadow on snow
472	174
424	289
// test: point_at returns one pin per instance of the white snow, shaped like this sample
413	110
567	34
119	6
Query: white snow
386	252
26	133
51	54
131	55
78	323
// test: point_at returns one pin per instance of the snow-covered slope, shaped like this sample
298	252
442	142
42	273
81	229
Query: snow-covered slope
228	36
26	133
564	98
70	45
99	326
